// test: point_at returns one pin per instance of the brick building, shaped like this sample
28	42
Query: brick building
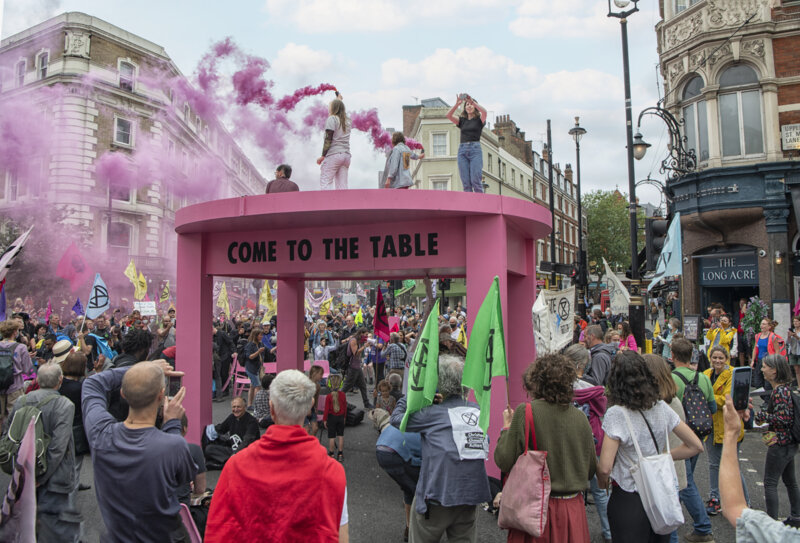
113	96
731	71
510	167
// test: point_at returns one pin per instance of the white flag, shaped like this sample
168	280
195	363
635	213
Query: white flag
11	252
553	316
671	257
617	293
99	302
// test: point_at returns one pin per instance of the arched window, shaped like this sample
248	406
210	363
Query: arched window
694	117
740	112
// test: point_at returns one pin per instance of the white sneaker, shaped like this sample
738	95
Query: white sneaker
758	390
764	425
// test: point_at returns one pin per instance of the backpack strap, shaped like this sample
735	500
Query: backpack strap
47	400
696	378
676	372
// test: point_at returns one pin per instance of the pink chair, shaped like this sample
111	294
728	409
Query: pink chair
188	523
241	381
234	363
322	363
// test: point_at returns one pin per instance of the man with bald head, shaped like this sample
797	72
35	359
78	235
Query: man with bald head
138	468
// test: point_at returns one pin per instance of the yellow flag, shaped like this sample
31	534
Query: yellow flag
130	272
164	293
657	330
265	292
141	287
269	303
325	307
359	319
222	300
462	337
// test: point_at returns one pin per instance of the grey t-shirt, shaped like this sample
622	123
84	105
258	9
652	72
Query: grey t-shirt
341	139
757	527
662	419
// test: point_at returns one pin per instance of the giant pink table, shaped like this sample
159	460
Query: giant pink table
355	234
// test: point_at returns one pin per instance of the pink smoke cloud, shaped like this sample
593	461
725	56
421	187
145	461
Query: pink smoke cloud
288	103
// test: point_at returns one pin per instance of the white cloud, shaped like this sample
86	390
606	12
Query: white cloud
329	17
20	15
300	62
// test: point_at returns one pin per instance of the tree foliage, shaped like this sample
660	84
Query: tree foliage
608	228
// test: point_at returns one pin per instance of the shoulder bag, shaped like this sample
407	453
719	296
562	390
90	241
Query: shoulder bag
526	493
657	484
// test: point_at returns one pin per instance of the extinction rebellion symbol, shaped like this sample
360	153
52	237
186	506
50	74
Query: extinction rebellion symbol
469	418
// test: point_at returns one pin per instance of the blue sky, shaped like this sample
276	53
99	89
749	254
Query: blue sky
530	59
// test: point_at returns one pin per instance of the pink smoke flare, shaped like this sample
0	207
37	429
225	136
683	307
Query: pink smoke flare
288	103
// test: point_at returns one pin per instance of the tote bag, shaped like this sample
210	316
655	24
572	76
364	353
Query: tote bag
657	484
526	493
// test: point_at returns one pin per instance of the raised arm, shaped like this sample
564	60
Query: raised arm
730	486
94	401
450	114
481	109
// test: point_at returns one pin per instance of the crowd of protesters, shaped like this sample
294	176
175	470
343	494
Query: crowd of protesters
100	385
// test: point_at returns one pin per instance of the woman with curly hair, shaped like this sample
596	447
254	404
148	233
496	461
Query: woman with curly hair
626	340
564	432
633	391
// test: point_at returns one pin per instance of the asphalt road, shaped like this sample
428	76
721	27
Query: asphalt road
376	506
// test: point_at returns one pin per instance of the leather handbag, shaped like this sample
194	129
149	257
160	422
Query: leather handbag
526	493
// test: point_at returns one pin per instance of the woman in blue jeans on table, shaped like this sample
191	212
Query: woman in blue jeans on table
253	361
470	156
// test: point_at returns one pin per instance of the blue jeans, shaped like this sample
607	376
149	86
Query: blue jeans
601	504
691	499
714	451
470	166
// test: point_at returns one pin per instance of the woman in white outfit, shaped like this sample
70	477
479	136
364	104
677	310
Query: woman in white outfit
335	159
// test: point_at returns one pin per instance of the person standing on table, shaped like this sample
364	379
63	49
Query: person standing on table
335	159
398	171
470	157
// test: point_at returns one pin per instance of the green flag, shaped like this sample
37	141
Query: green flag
423	374
486	354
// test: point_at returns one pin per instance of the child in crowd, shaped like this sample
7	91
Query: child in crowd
384	398
261	402
334	415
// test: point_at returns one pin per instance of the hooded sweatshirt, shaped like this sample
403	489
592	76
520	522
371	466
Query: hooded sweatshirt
595	399
597	372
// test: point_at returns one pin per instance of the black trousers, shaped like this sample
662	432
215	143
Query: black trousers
628	521
355	379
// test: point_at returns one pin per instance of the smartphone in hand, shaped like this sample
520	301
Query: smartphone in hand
174	383
740	388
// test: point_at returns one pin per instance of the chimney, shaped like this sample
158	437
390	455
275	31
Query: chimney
568	173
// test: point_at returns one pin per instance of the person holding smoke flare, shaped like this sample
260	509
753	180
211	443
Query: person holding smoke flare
470	157
335	159
398	165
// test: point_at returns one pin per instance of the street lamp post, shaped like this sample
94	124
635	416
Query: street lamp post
552	208
636	307
577	132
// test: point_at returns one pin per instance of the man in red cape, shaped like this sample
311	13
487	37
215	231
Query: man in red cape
283	487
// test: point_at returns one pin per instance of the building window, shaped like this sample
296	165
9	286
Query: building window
504	170
439	183
513	176
530	187
187	113
439	144
19	72
119	235
123	131
42	60
740	112
681	5
13	187
127	74
694	116
490	162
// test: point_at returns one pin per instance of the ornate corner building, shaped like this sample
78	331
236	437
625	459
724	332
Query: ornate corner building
115	90
731	72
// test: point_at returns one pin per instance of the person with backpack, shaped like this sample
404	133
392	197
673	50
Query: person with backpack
765	343
56	517
778	413
697	397
14	362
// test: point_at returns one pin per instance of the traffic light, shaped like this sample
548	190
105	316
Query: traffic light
655	230
444	284
573	273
